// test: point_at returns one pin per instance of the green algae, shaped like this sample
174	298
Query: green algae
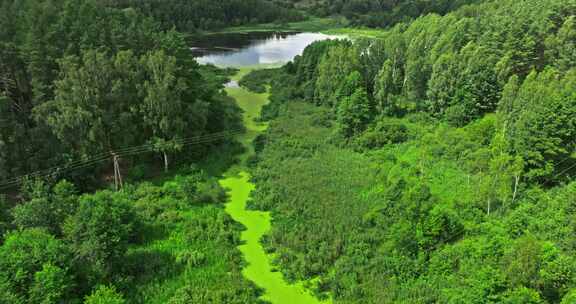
237	181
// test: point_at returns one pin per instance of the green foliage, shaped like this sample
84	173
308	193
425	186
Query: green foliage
464	86
187	250
205	15
354	113
34	268
333	70
385	132
98	234
443	201
378	13
210	192
540	123
569	297
51	285
47	209
80	78
257	80
191	258
4	217
523	295
151	240
105	295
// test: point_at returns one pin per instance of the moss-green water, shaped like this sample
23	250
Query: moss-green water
257	223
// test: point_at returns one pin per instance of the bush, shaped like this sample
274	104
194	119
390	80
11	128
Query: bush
386	132
105	295
257	80
191	258
210	192
34	263
138	172
456	116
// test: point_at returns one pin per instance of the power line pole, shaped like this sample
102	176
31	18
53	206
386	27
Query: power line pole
117	173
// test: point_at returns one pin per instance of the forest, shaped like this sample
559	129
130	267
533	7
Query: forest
376	13
206	15
200	15
435	164
79	80
431	163
79	83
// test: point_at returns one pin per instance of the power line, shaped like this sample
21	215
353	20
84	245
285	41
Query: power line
127	151
92	162
106	155
565	170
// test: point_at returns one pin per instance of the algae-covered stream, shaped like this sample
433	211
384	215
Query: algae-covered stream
257	223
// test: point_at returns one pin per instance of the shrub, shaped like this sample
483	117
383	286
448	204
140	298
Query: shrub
386	132
105	295
191	258
210	192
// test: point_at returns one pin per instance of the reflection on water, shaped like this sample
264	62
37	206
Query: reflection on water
236	50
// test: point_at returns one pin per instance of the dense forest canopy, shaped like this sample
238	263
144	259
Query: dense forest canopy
377	13
433	165
200	15
78	79
459	68
208	14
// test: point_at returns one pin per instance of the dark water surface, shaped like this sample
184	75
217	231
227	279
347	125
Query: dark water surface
247	49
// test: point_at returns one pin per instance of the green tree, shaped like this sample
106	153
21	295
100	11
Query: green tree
508	109
523	295
441	225
500	181
422	34
47	209
388	88
93	108
541	124
570	297
99	233
163	105
463	85
51	285
354	113
339	62
352	83
105	295
34	267
443	83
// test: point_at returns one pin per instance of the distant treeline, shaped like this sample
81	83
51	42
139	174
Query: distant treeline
377	13
208	14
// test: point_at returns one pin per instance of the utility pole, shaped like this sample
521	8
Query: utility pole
117	174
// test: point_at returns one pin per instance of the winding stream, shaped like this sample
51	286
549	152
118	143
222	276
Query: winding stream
248	51
257	223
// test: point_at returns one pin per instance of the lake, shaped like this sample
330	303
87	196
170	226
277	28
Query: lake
254	48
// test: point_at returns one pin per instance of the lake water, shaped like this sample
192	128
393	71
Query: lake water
248	49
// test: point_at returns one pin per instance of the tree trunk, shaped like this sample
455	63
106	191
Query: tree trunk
516	182
165	161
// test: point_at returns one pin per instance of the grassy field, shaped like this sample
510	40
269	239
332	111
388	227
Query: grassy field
355	32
